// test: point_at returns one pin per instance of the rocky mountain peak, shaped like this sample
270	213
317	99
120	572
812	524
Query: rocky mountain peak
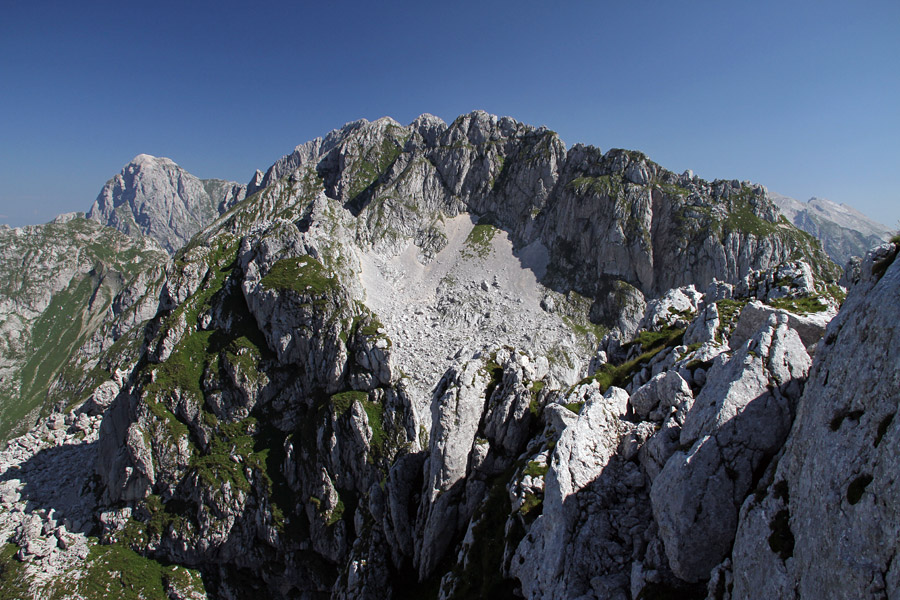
154	197
150	161
845	232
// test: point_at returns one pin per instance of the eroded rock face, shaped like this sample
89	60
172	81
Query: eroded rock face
277	300
595	510
738	421
453	436
484	420
70	289
826	525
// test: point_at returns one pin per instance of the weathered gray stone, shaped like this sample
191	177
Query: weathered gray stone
827	527
587	485
809	326
738	421
704	328
660	395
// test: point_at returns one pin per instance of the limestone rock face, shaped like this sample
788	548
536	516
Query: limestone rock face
739	420
704	329
482	424
157	198
827	525
809	326
595	510
453	436
655	399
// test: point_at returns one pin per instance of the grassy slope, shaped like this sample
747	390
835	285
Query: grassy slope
52	339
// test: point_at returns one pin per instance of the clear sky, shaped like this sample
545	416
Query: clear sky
803	97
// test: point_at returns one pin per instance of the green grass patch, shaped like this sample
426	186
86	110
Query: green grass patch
495	372
535	469
532	502
55	337
117	572
729	311
585	328
604	185
13	583
177	429
217	468
478	242
184	367
342	401
375	415
651	343
805	305
371	326
235	440
337	514
673	189
374	162
836	293
304	275
162	518
655	340
575	407
743	219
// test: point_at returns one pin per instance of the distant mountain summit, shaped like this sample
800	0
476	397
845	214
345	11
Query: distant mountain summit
844	231
155	197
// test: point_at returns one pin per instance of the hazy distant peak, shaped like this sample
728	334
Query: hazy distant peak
844	231
152	196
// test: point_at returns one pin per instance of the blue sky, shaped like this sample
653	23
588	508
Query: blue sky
799	96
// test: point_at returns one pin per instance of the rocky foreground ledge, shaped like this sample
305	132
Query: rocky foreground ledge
49	521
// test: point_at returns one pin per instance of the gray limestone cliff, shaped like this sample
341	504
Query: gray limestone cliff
157	198
824	524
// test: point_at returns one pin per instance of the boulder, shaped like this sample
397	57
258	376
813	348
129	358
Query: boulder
737	423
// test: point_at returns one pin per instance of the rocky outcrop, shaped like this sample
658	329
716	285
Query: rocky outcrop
485	420
155	197
824	523
270	329
738	421
595	511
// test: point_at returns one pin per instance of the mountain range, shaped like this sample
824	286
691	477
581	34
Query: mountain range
445	361
844	231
